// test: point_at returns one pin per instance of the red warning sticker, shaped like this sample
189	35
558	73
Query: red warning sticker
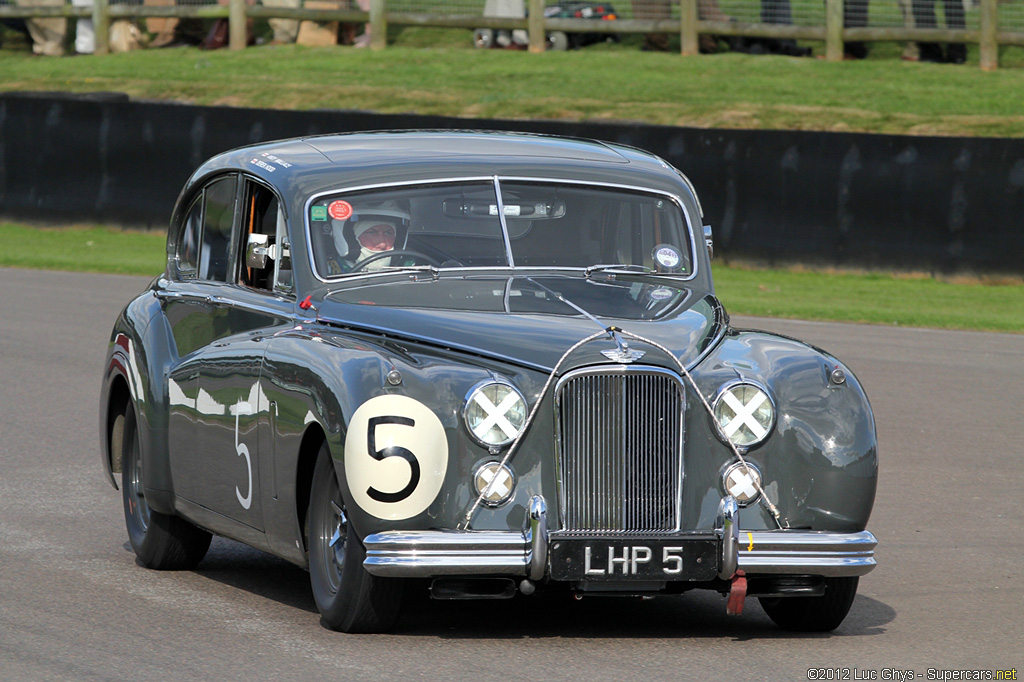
340	210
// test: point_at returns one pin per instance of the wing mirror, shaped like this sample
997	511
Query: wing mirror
709	241
257	250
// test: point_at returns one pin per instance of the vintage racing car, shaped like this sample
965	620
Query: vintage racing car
484	363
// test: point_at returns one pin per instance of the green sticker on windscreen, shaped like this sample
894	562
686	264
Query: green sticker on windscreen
318	213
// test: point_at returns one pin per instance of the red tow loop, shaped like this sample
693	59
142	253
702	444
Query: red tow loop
737	593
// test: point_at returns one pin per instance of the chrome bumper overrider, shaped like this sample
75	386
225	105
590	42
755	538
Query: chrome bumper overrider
424	554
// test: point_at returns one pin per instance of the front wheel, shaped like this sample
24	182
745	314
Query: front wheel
160	541
814	614
348	597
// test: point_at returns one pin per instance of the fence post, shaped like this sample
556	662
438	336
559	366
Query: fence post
688	27
378	25
237	30
834	30
989	25
538	39
101	26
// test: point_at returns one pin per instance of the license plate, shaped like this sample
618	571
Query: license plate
634	559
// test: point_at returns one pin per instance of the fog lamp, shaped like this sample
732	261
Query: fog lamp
743	482
494	482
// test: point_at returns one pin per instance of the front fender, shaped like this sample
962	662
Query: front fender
820	463
324	376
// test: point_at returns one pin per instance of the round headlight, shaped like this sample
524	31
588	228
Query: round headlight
744	414
495	413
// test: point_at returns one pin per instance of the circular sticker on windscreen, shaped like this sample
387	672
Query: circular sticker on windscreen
667	256
340	210
661	294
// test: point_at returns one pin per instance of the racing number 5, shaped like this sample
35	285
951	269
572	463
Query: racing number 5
392	451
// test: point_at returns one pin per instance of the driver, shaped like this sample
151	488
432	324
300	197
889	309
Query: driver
369	231
374	236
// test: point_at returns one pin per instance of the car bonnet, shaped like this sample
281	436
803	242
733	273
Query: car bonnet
530	320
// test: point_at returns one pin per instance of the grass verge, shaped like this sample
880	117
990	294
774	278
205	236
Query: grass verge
877	298
438	72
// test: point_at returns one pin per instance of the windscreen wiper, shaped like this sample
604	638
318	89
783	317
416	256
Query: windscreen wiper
619	268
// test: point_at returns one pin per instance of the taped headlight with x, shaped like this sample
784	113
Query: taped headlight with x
495	413
744	414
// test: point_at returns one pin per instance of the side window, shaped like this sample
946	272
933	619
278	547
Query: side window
263	253
218	216
188	244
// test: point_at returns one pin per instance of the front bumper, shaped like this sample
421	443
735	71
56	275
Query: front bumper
426	554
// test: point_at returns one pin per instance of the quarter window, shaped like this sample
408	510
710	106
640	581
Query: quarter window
188	246
218	216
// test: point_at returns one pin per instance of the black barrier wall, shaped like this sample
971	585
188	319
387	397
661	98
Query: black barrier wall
878	201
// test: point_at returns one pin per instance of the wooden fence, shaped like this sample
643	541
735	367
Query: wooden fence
988	35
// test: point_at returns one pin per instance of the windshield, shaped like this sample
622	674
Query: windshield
457	225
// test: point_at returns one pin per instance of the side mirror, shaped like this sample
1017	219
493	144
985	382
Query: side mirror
257	251
709	241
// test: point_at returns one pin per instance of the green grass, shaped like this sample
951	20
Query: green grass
85	249
438	72
877	298
873	297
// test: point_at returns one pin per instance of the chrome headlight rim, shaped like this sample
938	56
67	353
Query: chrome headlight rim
470	401
729	387
752	470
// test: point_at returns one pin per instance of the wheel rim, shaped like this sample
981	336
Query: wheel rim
332	537
137	506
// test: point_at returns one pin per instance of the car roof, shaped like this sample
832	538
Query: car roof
319	163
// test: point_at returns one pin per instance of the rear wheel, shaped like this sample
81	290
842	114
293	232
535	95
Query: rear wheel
348	597
814	614
558	40
483	38
160	541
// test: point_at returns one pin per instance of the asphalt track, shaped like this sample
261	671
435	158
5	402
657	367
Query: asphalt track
948	593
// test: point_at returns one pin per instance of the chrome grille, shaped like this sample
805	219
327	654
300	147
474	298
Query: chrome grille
620	436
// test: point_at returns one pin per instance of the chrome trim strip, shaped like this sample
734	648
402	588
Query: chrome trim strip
807	552
424	554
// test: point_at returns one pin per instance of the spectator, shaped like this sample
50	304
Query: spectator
285	30
47	34
349	36
924	17
85	36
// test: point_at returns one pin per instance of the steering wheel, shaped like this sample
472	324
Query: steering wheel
397	252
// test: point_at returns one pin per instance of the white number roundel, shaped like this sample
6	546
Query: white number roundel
396	456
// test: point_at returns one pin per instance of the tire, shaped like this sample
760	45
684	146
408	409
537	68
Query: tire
161	541
814	614
483	38
348	597
558	40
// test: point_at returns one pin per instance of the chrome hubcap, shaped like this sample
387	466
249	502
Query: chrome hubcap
137	498
337	526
